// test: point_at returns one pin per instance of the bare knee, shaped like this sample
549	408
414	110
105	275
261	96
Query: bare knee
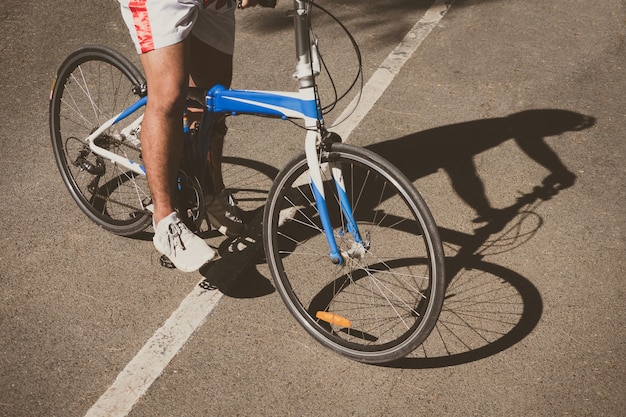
167	80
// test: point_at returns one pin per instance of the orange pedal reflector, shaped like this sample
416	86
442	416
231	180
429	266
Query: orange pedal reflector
333	318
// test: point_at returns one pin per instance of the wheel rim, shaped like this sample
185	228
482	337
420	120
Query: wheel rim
90	91
387	280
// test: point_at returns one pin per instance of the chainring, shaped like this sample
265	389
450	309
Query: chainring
190	201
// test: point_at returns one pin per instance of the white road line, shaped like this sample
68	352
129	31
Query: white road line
133	382
384	75
150	362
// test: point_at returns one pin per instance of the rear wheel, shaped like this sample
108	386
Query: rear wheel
384	299
93	85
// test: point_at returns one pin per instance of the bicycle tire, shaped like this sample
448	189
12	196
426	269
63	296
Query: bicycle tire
92	85
393	295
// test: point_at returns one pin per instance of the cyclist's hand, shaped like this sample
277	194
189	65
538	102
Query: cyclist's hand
242	4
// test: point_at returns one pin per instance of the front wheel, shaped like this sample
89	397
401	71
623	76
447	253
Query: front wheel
384	299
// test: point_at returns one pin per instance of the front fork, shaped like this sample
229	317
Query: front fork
313	148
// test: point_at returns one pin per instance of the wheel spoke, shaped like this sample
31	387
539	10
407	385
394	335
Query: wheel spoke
93	85
390	291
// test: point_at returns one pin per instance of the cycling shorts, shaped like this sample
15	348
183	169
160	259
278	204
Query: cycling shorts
155	24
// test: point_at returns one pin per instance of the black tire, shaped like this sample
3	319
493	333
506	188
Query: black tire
393	293
93	85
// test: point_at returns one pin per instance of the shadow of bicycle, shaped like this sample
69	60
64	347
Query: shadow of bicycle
488	308
234	273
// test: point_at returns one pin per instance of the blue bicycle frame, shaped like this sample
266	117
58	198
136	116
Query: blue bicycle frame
302	105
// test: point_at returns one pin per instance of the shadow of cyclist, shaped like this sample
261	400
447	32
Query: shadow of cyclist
453	147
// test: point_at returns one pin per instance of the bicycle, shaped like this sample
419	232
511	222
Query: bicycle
353	249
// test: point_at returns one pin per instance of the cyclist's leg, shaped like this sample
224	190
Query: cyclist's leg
160	30
209	66
166	76
162	142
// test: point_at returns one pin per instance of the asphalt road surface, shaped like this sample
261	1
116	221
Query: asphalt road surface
500	102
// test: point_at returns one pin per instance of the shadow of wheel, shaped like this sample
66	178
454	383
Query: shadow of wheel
248	180
487	309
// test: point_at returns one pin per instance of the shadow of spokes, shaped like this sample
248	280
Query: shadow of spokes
488	308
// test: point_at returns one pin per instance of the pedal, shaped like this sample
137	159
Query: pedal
237	255
206	285
165	262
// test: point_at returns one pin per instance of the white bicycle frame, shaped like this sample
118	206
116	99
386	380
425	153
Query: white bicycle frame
302	105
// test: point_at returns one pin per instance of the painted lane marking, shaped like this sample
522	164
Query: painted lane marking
133	382
384	75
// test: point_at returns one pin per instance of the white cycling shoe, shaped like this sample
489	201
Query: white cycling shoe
185	250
